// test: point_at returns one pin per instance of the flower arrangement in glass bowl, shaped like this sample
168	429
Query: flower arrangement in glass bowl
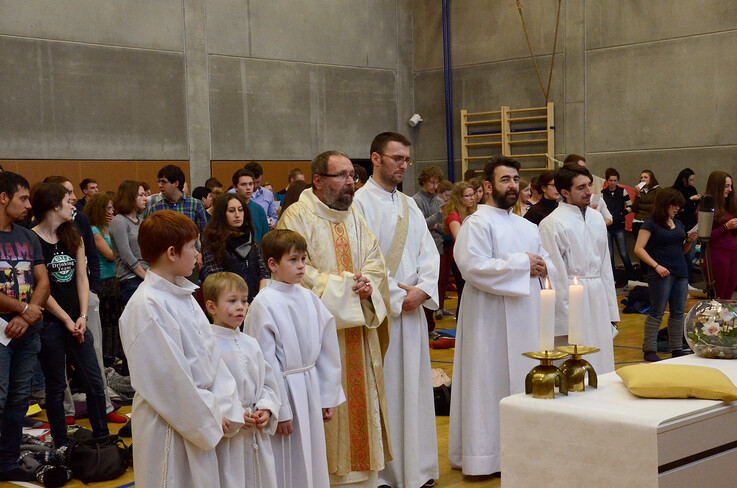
711	329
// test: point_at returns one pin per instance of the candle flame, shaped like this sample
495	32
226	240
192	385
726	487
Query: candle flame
575	280
547	283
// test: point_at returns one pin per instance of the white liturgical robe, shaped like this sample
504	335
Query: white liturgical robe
578	247
298	339
246	459
339	245
409	392
183	388
498	321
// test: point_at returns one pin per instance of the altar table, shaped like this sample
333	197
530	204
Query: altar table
608	437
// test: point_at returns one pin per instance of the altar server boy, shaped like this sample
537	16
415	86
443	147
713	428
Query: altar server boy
298	339
246	460
186	399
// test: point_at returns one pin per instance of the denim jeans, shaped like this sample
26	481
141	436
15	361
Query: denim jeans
127	288
689	257
669	291
17	360
95	327
58	344
619	236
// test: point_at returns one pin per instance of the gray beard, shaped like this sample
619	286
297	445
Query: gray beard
333	200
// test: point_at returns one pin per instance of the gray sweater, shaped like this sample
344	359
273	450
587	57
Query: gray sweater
430	208
126	253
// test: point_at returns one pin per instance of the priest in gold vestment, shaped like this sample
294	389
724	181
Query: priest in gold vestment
345	268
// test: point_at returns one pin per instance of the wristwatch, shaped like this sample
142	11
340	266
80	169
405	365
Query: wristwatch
83	316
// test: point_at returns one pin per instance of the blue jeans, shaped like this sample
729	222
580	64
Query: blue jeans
689	257
58	344
127	288
669	291
17	360
620	237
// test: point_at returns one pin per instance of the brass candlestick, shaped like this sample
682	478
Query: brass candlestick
542	379
574	369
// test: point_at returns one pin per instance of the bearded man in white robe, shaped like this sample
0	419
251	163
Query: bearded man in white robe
575	236
413	263
345	268
503	261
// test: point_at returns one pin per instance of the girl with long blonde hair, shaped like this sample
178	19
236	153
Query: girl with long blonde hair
525	192
462	203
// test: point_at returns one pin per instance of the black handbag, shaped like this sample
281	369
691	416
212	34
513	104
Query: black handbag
99	459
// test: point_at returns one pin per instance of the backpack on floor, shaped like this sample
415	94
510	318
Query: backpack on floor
442	400
441	391
99	459
664	341
638	300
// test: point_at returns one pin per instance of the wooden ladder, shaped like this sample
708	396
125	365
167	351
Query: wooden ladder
525	134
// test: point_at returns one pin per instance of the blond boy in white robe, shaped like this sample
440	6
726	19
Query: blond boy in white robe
298	338
245	460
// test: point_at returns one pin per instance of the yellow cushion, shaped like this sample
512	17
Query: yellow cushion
678	381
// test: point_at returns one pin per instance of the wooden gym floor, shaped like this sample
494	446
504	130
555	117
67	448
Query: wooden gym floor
627	350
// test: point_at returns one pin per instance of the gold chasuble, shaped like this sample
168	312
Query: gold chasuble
339	244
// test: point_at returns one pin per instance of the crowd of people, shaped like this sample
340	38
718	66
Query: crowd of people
281	338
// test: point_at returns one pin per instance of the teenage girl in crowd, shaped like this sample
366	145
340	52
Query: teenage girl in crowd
64	333
523	204
228	244
684	183
130	268
462	203
661	244
723	245
99	209
644	199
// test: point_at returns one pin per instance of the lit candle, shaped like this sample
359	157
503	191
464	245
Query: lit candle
547	318
575	313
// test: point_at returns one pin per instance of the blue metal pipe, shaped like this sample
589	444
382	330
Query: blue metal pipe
447	78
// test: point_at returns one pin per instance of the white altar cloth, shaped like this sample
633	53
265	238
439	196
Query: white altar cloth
608	437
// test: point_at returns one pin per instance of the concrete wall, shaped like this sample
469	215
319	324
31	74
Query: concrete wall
200	80
77	85
636	84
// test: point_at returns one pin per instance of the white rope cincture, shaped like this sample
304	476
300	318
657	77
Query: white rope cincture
165	467
284	374
257	478
257	463
283	465
283	456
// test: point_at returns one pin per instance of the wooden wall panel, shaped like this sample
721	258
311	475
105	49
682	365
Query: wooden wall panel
275	172
109	174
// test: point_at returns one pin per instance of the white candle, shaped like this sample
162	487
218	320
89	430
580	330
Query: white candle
575	313
547	318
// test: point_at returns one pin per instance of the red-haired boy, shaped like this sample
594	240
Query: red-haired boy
186	399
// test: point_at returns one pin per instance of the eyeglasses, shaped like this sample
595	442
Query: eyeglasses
162	181
399	160
341	176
